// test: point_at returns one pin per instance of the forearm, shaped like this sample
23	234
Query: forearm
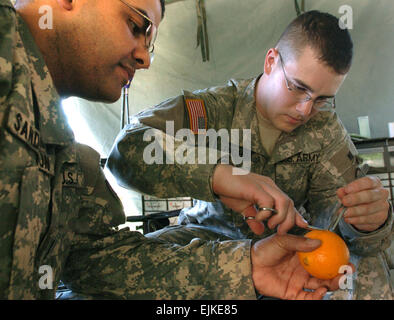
163	172
127	265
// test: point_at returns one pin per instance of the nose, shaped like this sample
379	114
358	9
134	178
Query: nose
141	55
304	108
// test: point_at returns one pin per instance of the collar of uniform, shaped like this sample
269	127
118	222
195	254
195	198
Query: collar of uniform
54	128
245	114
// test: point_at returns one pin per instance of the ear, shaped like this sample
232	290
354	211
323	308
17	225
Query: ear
270	60
66	4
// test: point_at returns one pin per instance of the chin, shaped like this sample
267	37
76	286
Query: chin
108	95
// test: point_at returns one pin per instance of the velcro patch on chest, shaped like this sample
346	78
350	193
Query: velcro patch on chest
23	128
20	126
344	163
72	177
304	158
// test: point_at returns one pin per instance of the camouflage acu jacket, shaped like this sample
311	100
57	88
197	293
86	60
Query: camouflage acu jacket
58	213
308	164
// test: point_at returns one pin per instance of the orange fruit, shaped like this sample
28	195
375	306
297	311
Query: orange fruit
325	261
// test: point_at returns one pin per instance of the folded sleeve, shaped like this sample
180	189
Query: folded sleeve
127	265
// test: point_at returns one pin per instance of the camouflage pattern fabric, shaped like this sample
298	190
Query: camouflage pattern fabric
58	211
308	164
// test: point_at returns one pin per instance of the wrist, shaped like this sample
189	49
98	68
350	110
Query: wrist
219	173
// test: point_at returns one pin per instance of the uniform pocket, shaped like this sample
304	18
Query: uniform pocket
31	224
292	179
100	209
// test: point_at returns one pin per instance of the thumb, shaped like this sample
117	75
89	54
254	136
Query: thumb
297	243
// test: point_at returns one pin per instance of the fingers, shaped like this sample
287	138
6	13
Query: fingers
255	189
272	250
317	294
280	201
365	196
366	202
375	214
285	215
364	183
255	225
300	221
302	286
288	222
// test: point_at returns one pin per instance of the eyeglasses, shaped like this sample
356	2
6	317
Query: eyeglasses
149	29
301	94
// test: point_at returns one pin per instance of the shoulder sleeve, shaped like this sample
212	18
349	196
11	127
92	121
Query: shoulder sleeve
7	45
200	109
168	166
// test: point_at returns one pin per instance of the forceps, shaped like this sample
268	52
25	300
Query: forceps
339	209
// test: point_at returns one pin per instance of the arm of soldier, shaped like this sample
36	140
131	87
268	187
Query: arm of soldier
151	167
104	263
7	43
127	265
152	156
326	189
108	264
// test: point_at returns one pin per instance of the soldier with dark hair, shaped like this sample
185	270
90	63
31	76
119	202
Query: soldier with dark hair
298	147
58	213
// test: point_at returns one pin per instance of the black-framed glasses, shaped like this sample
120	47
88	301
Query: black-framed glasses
301	94
148	29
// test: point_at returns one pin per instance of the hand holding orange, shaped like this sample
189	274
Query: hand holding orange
325	261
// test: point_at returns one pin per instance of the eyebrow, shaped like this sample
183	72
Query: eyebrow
143	12
146	22
139	10
302	84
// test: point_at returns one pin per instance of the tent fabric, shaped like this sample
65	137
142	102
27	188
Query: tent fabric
240	33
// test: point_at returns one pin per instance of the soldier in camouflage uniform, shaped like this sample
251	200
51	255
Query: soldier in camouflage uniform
59	216
303	148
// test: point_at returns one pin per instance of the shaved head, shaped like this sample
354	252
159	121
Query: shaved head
321	32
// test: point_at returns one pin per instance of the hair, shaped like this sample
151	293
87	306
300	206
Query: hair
162	3
322	32
163	8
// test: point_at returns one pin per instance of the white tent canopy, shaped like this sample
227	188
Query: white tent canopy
240	33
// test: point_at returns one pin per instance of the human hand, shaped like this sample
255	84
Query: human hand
242	192
277	272
366	202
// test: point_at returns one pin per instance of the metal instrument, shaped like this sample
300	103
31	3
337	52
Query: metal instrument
125	113
339	209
